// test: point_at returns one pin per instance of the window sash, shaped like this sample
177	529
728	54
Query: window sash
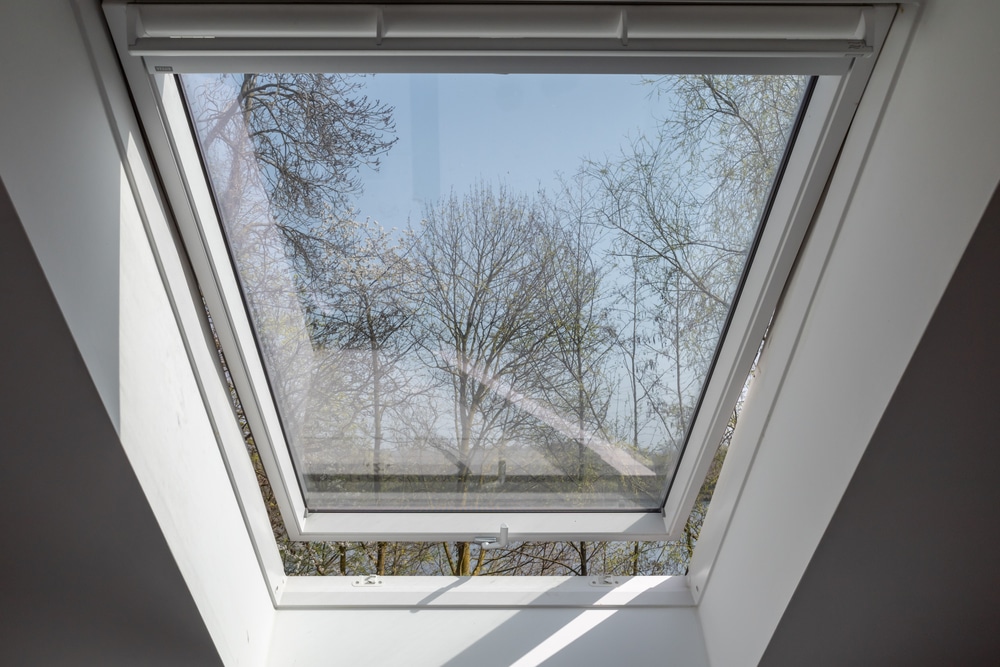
812	156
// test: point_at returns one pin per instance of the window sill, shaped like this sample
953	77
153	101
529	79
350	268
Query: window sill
593	592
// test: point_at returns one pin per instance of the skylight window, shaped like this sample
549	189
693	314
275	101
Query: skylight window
482	268
480	292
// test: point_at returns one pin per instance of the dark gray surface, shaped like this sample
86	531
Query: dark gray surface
908	572
87	577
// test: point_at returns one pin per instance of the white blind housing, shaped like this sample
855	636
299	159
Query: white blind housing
429	33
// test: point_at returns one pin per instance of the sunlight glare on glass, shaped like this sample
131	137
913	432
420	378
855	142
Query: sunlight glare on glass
489	292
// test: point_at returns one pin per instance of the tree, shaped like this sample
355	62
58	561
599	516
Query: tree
359	286
308	133
283	150
570	373
486	262
620	289
684	206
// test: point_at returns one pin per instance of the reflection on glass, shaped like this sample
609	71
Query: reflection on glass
478	292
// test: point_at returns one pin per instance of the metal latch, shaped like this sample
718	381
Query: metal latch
605	580
491	542
368	581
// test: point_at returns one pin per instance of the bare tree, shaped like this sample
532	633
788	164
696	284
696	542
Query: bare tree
282	151
571	373
685	205
486	262
358	283
309	133
512	299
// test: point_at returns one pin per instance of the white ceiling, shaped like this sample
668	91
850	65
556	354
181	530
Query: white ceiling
905	573
87	575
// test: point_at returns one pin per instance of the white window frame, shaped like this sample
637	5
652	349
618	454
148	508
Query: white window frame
143	49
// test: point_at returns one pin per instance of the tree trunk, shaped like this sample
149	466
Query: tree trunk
464	560
377	413
380	558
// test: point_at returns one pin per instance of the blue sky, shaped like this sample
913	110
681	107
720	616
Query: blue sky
520	129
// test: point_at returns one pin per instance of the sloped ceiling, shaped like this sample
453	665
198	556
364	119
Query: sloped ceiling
908	571
87	578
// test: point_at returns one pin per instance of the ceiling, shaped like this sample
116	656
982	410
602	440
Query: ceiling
88	578
905	573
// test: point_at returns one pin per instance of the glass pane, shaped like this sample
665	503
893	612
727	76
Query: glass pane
478	291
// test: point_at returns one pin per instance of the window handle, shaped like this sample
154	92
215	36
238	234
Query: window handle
490	542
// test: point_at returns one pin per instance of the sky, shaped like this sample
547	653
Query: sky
520	130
